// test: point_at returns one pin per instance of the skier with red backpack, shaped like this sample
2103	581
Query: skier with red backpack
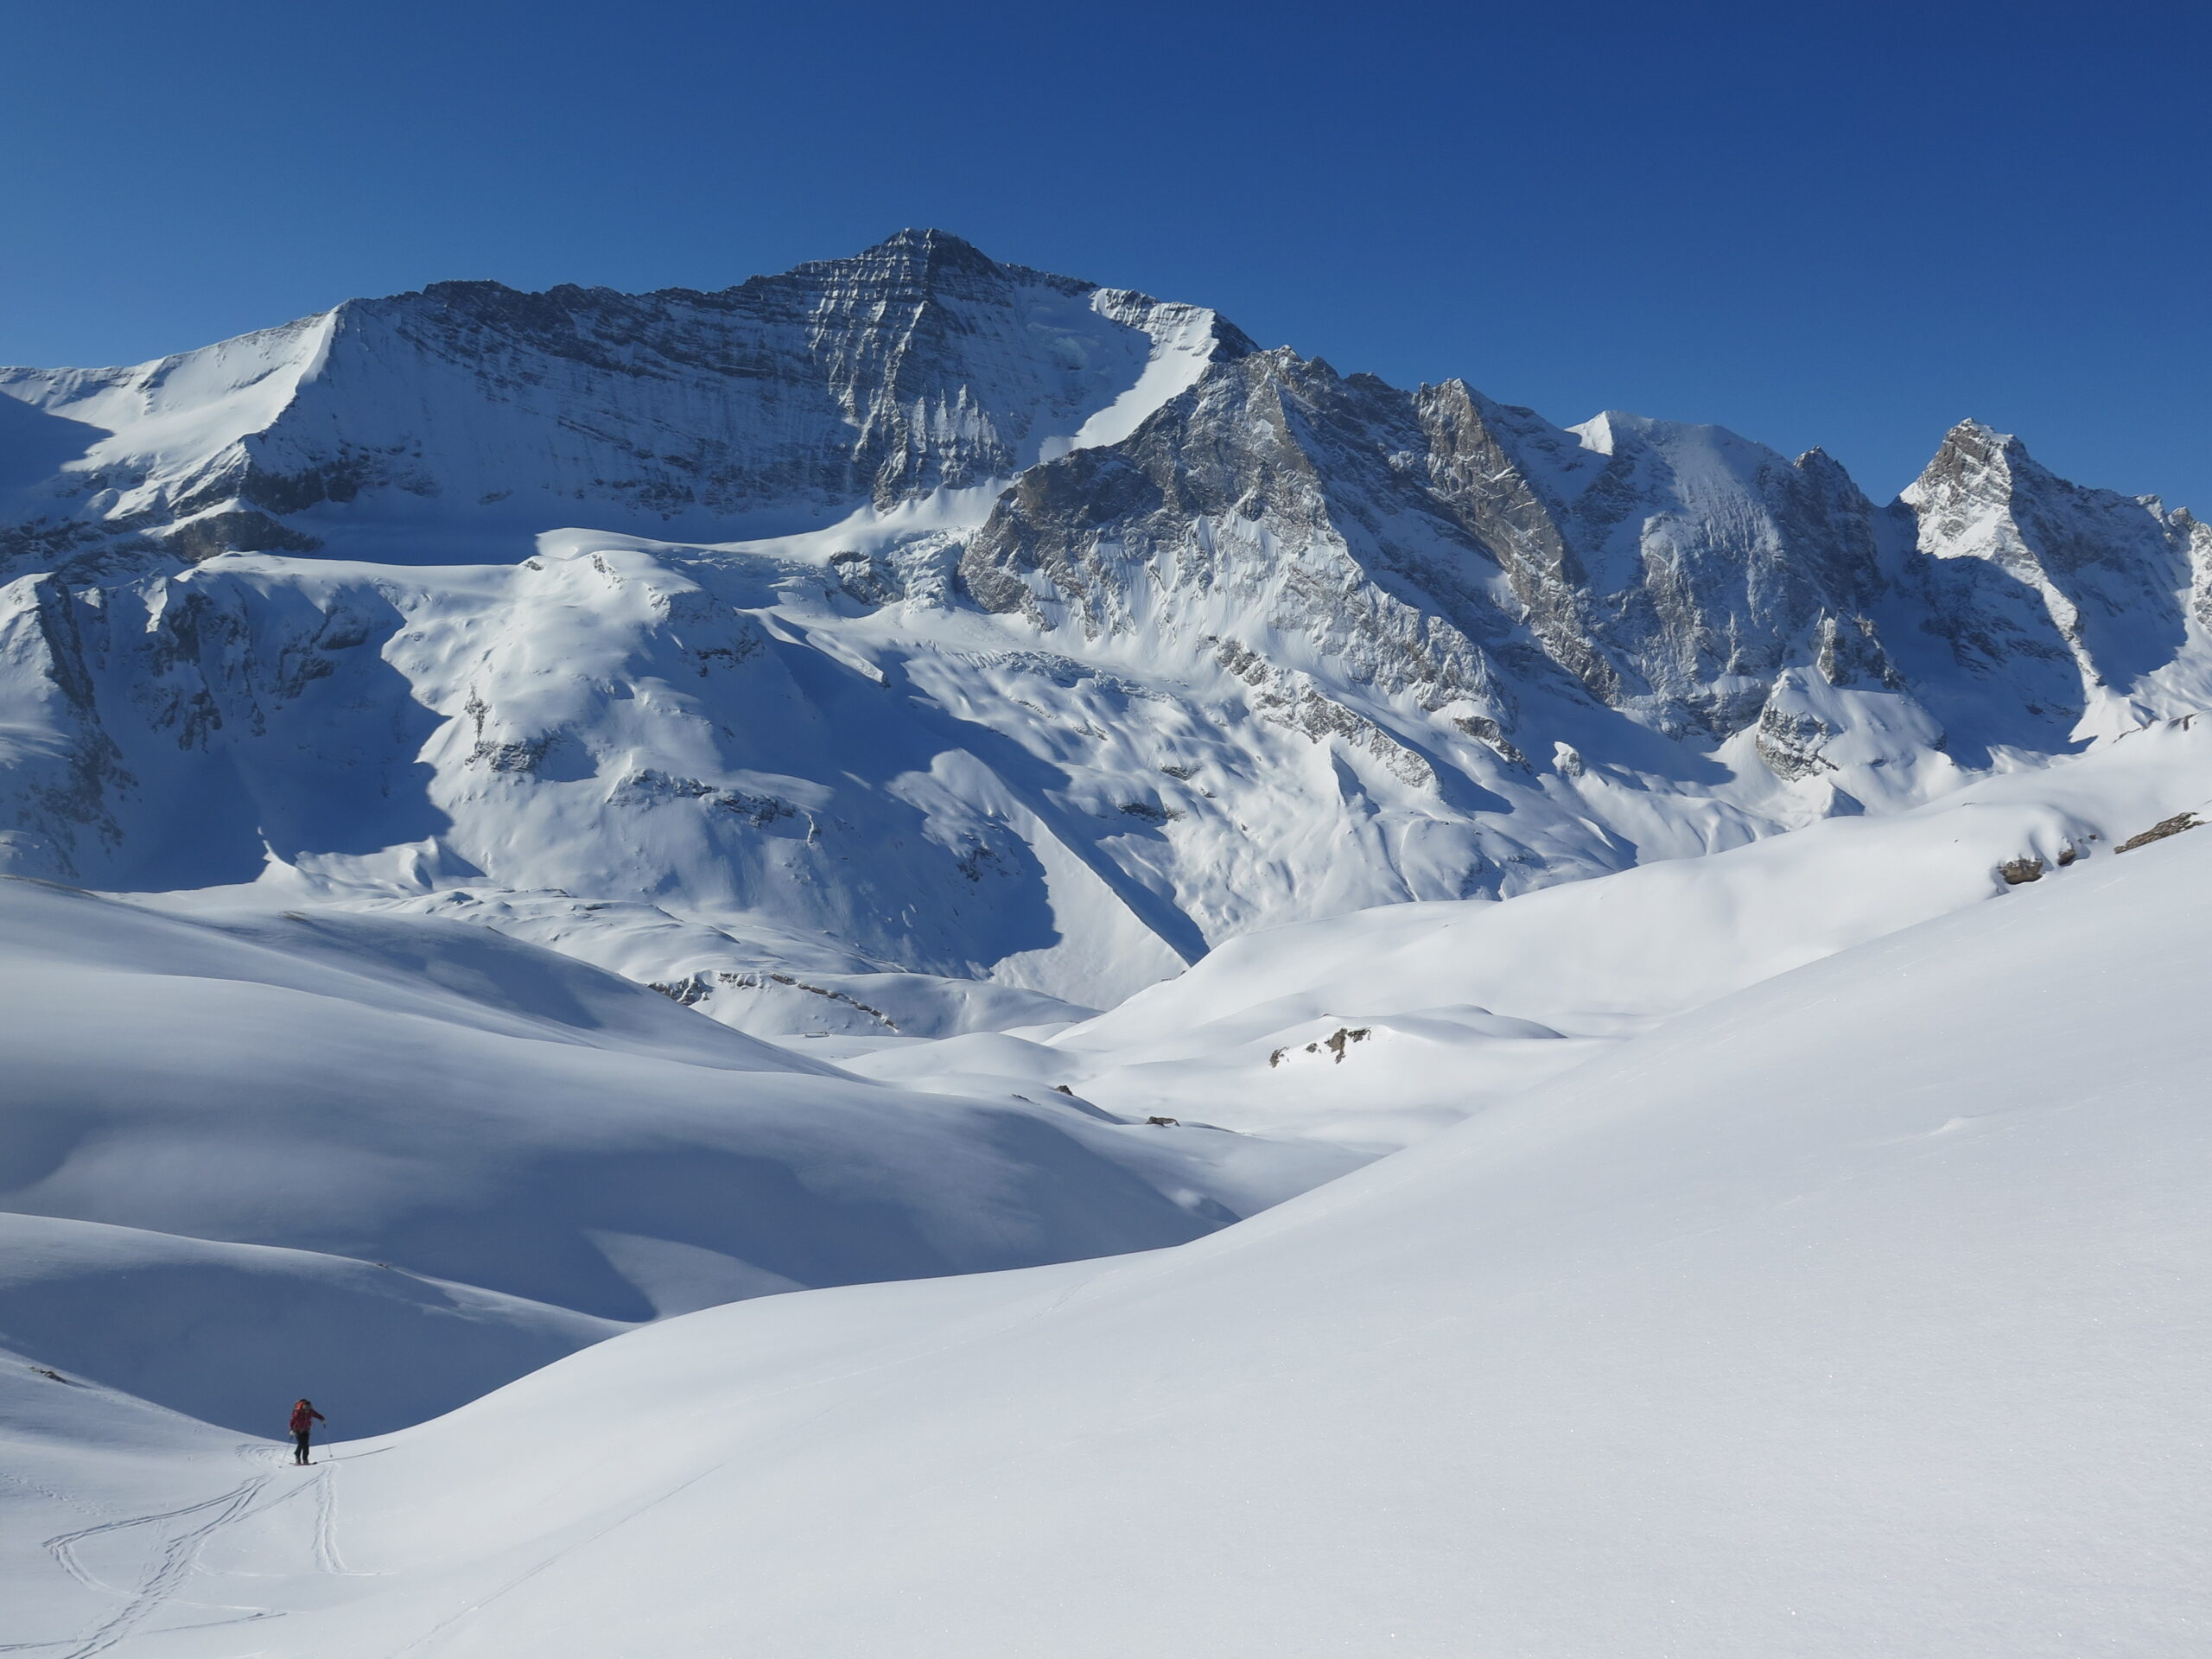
304	1418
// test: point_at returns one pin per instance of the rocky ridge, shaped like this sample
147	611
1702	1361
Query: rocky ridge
942	621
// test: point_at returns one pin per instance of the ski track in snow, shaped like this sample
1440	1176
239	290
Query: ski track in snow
561	1553
907	1354
326	1522
177	1560
180	1557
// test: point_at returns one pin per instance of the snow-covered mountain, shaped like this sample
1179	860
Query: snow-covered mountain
934	623
478	414
524	818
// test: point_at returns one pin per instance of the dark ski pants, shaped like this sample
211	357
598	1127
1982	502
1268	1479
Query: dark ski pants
299	1442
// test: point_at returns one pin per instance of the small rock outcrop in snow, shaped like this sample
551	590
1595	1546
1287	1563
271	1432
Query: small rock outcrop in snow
2159	831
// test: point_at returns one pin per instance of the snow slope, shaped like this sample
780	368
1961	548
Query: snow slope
215	1329
425	1157
1859	1311
1379	1026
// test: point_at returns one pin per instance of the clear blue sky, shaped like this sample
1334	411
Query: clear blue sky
1848	224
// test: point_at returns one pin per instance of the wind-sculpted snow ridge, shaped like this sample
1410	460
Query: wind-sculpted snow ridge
1859	1311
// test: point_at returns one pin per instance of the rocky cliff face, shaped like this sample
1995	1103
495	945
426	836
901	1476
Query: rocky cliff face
946	619
472	411
2075	605
1449	549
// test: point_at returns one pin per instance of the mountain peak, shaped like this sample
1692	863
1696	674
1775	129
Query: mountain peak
932	250
1979	433
926	239
1974	458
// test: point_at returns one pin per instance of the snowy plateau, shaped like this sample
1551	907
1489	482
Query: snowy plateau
921	960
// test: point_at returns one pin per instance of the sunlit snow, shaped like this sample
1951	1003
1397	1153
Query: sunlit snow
920	959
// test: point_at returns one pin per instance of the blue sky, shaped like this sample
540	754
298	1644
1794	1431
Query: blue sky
1846	225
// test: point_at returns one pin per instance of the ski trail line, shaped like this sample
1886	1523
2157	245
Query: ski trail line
63	1547
918	1348
326	1522
178	1557
528	1574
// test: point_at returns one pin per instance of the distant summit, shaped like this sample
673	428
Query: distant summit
931	615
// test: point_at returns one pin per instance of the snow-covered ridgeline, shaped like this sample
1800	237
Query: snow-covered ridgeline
470	411
1098	638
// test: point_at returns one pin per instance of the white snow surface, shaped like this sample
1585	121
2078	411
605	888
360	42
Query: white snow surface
713	916
418	1158
1438	1011
1858	1311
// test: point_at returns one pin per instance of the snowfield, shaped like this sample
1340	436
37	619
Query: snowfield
918	958
1859	1311
408	1158
1245	1037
